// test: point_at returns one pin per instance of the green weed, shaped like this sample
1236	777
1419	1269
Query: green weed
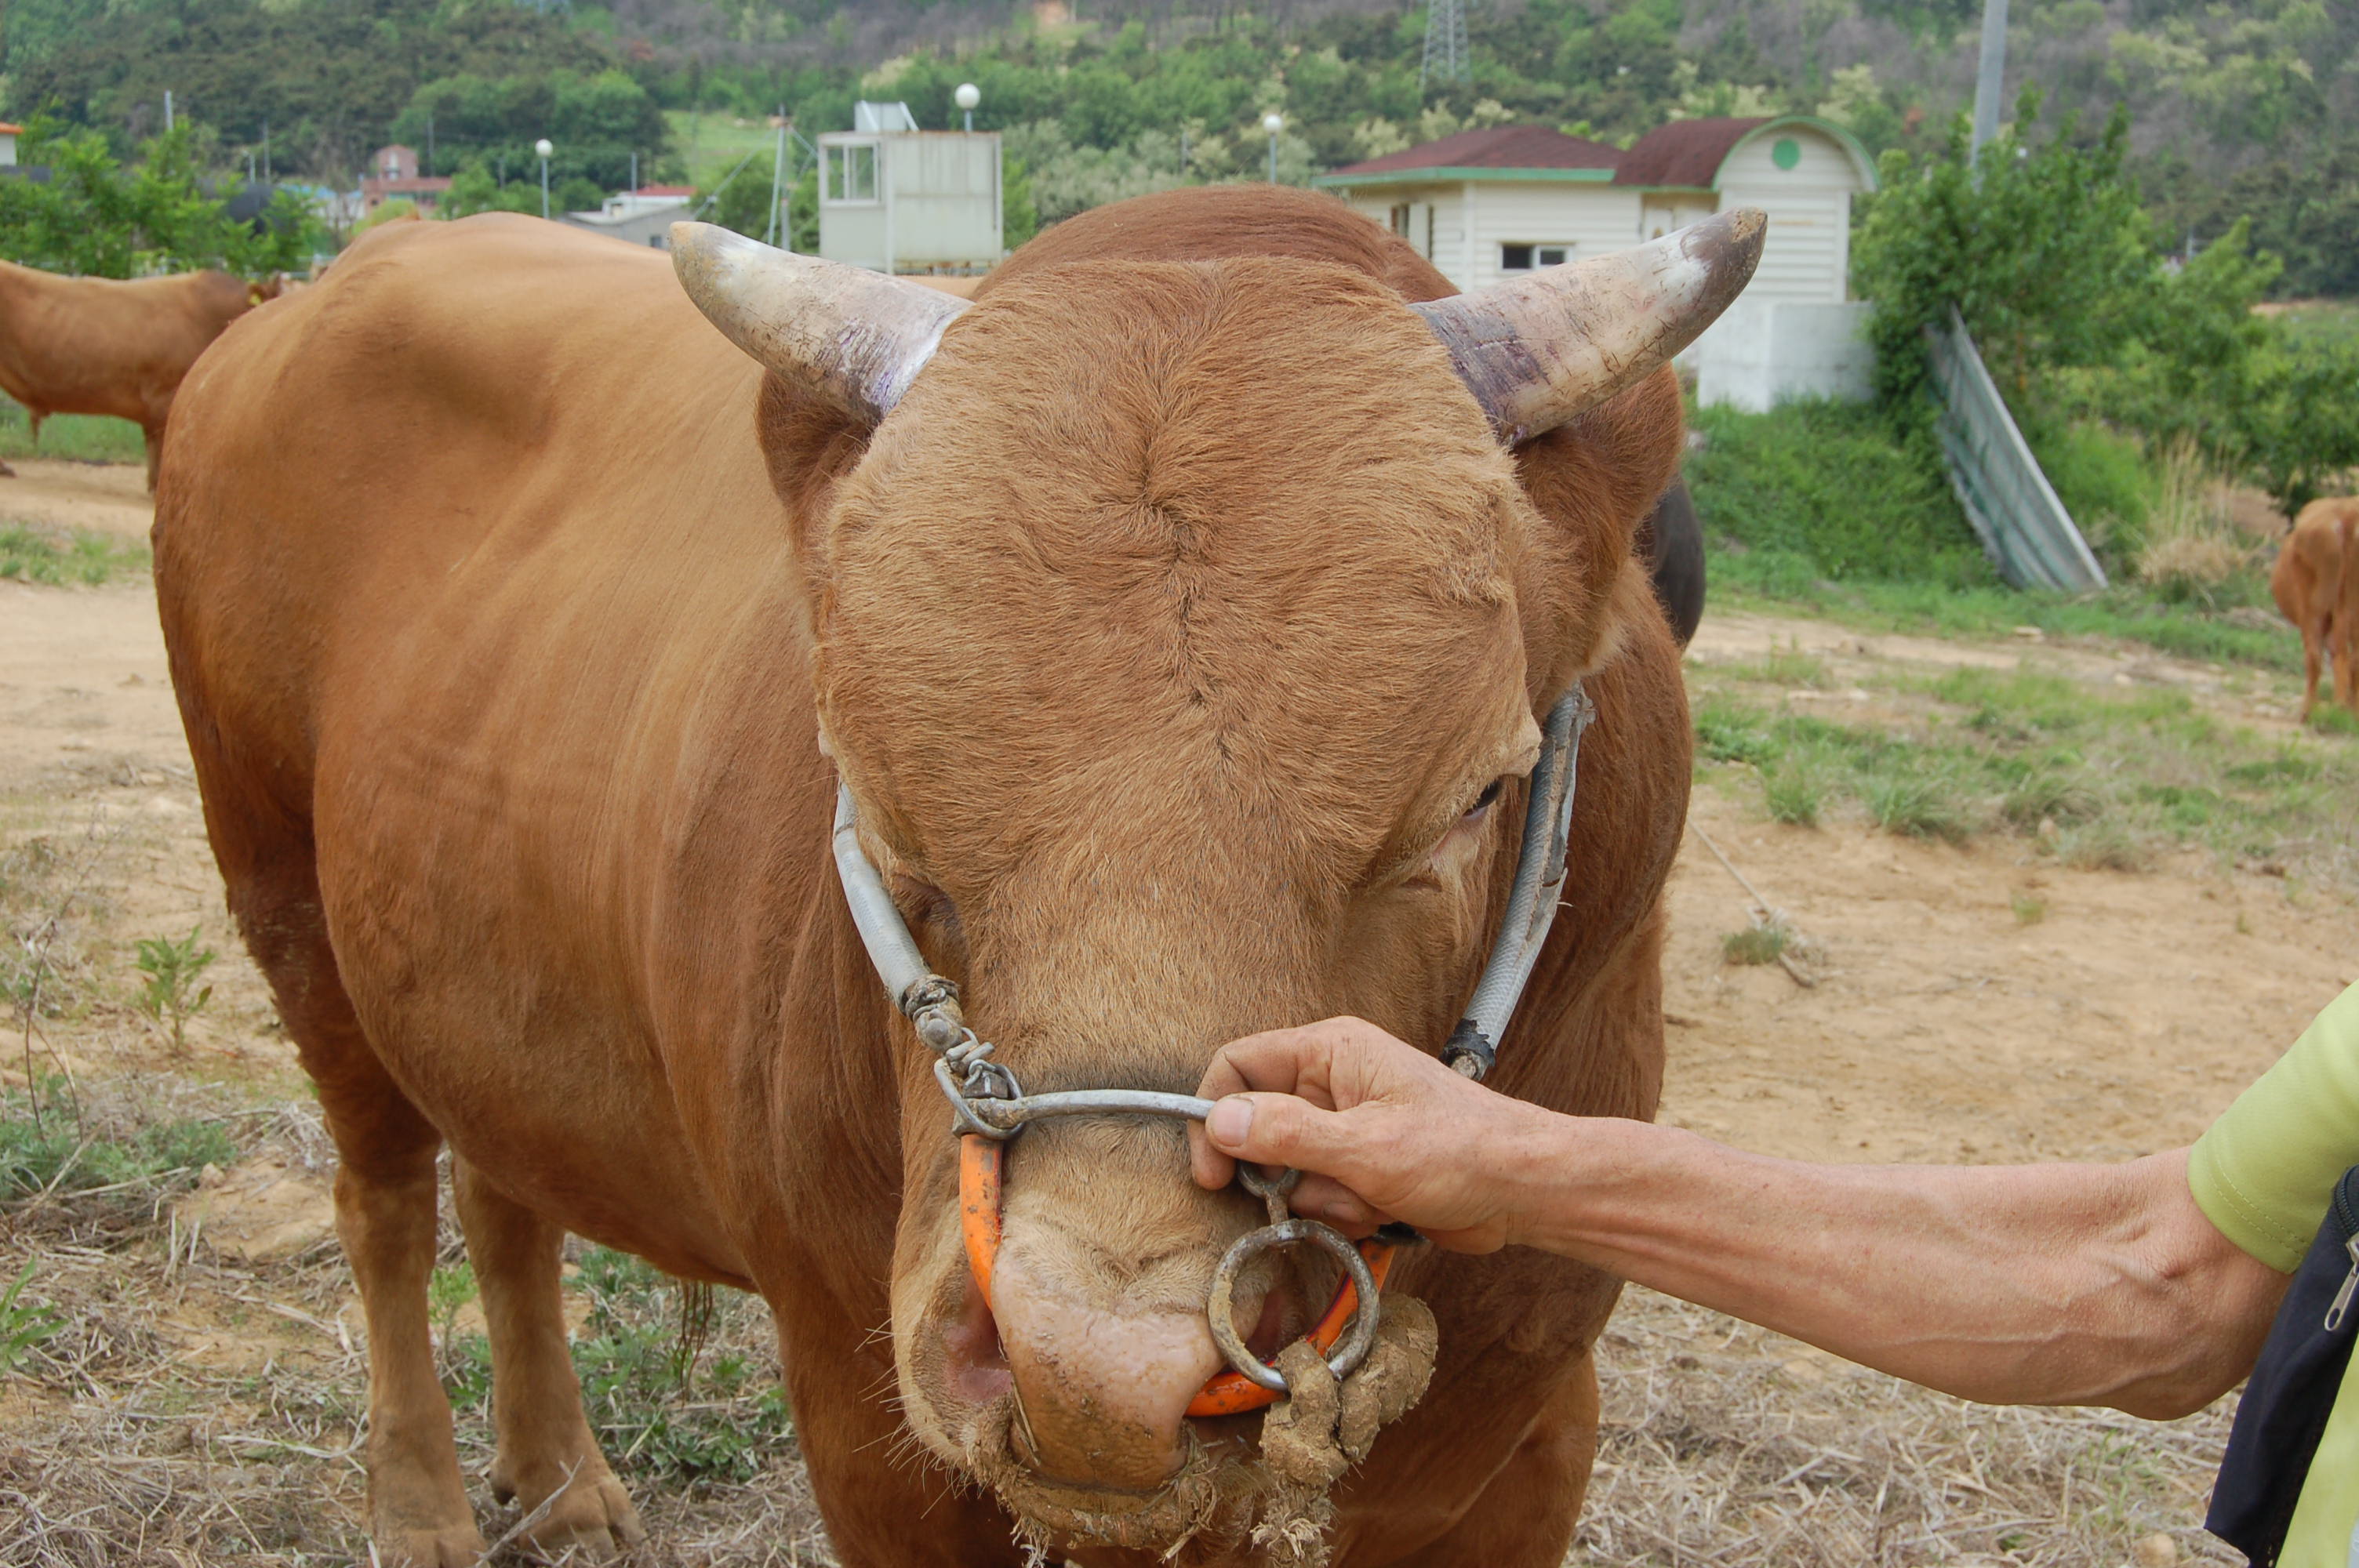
1794	792
33	552
24	1328
2029	908
171	992
1918	803
1763	942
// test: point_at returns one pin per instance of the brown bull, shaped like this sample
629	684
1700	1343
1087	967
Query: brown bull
93	345
1171	631
2316	585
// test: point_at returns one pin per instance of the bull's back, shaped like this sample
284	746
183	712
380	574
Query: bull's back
463	435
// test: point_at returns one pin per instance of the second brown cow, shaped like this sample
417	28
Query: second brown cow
96	345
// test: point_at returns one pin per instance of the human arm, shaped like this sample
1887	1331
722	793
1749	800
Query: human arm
2098	1285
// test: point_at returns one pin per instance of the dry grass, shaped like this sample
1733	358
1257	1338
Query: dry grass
2191	540
1726	1444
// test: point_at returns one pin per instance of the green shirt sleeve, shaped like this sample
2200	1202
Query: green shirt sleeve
2265	1171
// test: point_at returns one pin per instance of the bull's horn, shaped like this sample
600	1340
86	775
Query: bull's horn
1539	349
854	337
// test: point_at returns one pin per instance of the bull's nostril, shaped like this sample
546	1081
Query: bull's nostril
971	1354
1271	1329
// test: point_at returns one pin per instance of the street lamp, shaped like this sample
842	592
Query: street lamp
544	149
967	96
1273	122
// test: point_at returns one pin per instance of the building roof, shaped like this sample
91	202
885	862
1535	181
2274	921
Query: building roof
1517	148
663	191
9	130
1687	155
408	185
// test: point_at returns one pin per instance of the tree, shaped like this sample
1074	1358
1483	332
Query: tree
2043	248
93	218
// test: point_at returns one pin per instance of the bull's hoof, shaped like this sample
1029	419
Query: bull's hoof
593	1519
590	1514
451	1546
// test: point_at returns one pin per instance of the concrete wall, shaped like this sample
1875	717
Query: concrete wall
1765	351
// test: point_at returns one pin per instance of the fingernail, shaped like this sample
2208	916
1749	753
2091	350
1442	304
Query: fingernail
1230	1121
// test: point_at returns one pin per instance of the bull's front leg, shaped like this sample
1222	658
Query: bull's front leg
548	1459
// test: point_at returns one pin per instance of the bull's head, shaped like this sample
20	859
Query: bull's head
1175	632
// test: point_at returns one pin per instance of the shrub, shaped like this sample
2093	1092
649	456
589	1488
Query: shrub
1763	942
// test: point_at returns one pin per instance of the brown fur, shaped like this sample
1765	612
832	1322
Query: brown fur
2316	584
92	345
1163	632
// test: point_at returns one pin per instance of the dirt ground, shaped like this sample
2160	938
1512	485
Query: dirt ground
1937	1026
110	497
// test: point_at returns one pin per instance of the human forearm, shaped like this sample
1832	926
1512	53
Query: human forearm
2047	1285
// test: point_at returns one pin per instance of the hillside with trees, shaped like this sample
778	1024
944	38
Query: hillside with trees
2242	112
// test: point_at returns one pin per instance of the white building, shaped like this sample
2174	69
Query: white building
1484	205
641	217
895	199
8	135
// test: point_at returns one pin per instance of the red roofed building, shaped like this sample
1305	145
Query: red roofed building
1482	205
8	135
392	174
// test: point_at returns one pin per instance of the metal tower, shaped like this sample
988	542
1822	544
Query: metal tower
1446	56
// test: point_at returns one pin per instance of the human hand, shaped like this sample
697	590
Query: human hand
1380	1130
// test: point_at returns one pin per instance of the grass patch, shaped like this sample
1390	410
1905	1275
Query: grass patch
2029	908
34	551
53	1151
79	437
663	1409
1832	490
2101	777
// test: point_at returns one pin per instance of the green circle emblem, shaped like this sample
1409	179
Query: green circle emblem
1786	153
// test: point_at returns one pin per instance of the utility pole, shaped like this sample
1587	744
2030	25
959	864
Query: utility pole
1990	80
634	171
543	148
167	110
429	142
777	178
1273	122
266	147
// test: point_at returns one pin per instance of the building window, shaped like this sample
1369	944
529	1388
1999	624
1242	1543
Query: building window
849	173
1523	258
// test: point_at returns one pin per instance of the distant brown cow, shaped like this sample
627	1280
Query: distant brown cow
1180	614
93	345
2316	583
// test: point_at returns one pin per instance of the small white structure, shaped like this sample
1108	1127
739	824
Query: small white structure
8	135
1484	205
641	217
895	199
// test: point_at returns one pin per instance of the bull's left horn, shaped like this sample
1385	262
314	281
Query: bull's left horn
854	337
1539	349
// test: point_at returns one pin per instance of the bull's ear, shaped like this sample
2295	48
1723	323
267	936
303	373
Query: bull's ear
854	339
1540	350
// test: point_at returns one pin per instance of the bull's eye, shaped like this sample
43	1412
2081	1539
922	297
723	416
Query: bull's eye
1483	802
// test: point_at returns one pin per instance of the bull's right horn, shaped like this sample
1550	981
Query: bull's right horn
1539	349
852	337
